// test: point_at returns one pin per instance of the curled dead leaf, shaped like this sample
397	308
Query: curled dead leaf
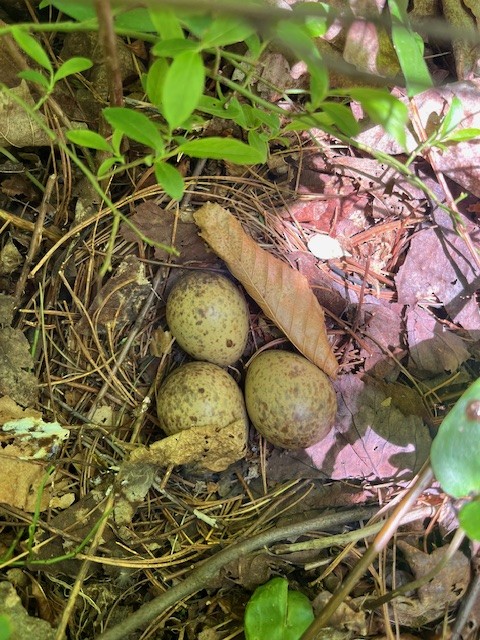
282	292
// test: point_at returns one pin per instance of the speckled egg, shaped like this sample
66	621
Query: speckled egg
208	316
199	394
289	400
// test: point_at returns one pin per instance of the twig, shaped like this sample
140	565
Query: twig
422	482
416	584
341	539
36	238
469	601
82	574
129	341
108	41
200	576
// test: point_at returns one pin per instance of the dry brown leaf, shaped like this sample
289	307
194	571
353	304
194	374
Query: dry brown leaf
208	447
282	292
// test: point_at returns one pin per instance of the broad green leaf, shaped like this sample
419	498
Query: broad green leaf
171	48
469	518
409	49
155	79
455	453
5	627
34	76
116	142
453	117
307	121
259	142
135	125
222	149
89	139
220	108
276	613
299	41
299	614
224	31
316	26
342	117
254	45
136	19
31	47
384	110
105	167
462	135
77	9
197	24
170	179
318	84
69	67
183	87
166	23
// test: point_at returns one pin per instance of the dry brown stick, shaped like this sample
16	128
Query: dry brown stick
129	341
108	41
201	575
82	574
36	238
419	485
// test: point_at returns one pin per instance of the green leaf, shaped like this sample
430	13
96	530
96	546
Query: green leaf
89	139
384	109
226	109
135	125
307	121
31	47
170	179
77	9
224	31
155	79
183	87
316	26
116	142
453	117
254	45
341	117
166	23
259	142
105	167
299	614
455	453
5	627
34	76
171	48
69	67
409	49
276	613
318	84
462	135
137	19
469	518
222	149
299	41
197	24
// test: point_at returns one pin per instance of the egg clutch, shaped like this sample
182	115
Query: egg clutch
289	400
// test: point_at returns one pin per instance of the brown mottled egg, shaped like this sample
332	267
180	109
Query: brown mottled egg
289	400
208	316
199	394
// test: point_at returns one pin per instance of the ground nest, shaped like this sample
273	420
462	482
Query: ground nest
125	533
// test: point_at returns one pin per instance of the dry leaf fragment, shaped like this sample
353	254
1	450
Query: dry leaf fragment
282	292
208	447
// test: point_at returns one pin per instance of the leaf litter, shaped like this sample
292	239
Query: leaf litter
400	321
